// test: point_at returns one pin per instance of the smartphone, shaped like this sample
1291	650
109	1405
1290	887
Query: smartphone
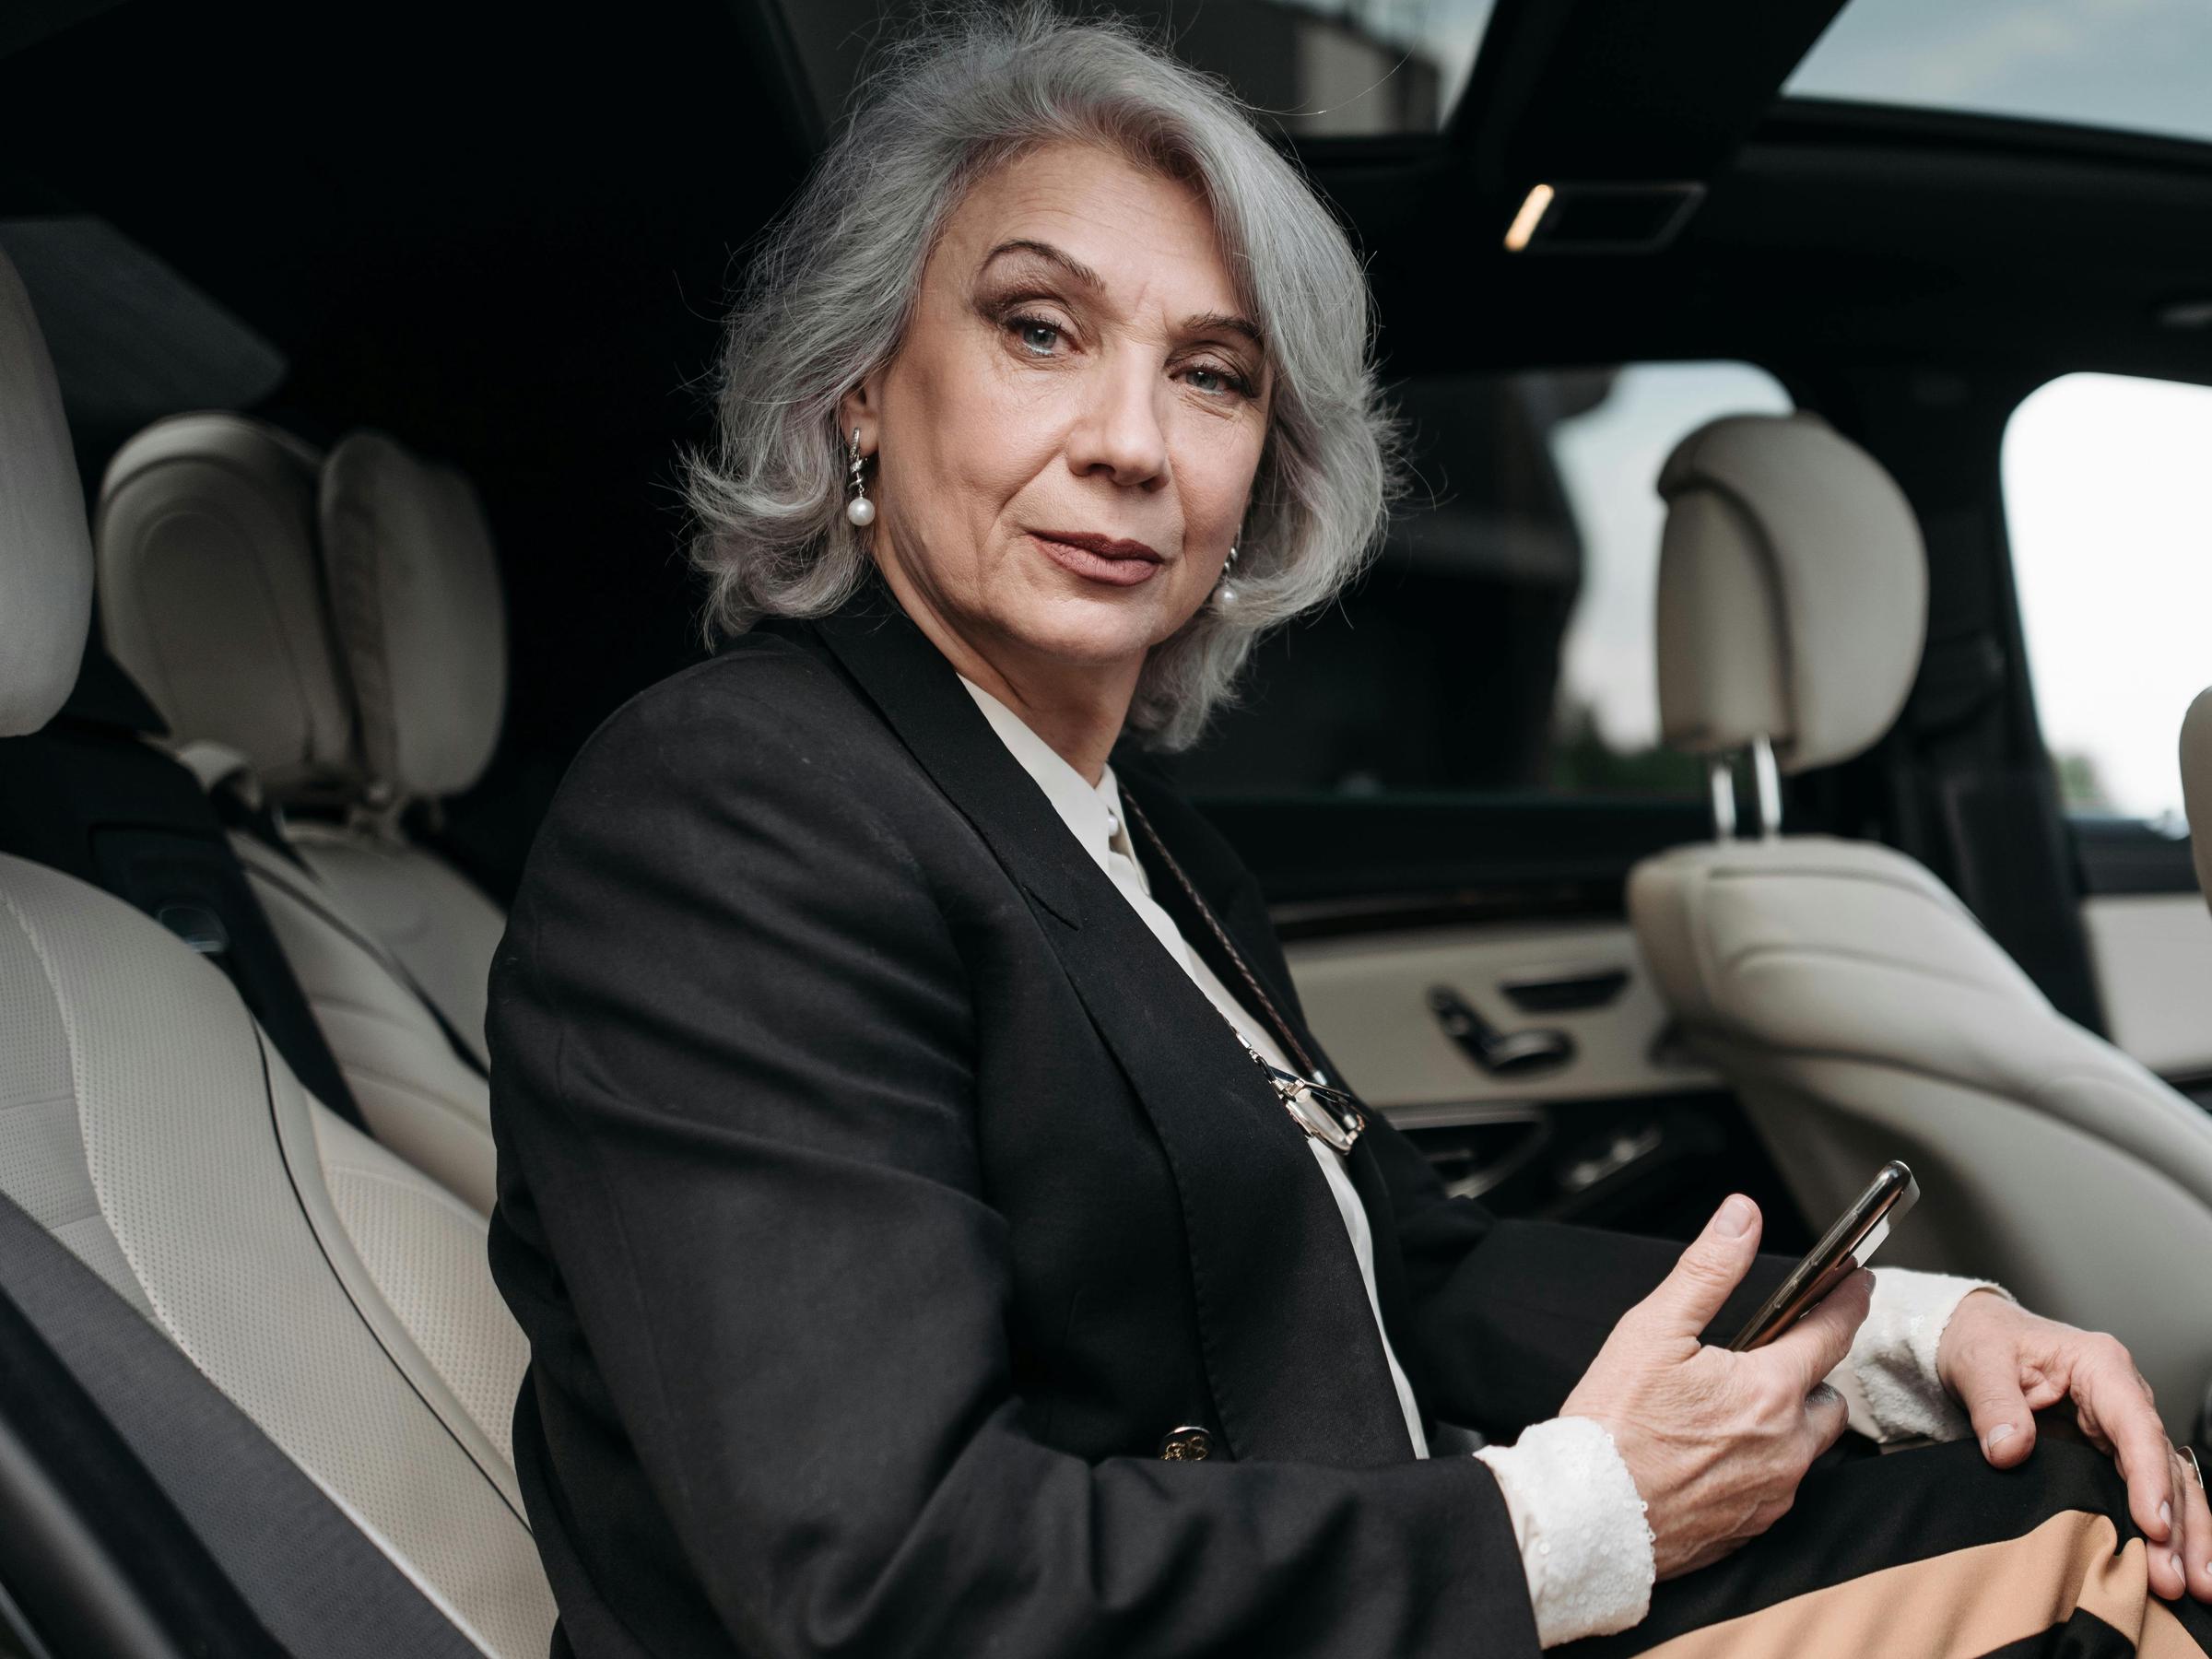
1843	1249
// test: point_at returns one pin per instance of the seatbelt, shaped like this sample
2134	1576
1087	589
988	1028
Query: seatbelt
237	806
111	807
292	1575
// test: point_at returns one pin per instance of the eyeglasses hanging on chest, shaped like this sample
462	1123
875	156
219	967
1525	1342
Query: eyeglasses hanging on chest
1328	1115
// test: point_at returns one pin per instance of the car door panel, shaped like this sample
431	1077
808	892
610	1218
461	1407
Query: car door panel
2153	959
1370	999
1613	1122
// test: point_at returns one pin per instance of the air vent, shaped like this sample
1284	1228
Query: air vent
1601	218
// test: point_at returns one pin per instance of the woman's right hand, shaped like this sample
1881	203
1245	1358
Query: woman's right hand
1717	1442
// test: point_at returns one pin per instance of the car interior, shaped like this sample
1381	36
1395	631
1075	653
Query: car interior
1763	747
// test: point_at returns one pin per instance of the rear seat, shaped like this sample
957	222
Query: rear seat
326	640
335	1295
414	586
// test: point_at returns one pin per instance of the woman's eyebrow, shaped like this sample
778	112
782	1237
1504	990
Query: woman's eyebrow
1224	322
1202	323
1075	268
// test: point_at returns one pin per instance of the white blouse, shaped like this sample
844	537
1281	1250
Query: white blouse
1095	817
1575	1509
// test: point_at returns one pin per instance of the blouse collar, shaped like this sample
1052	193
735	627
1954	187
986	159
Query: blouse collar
1092	815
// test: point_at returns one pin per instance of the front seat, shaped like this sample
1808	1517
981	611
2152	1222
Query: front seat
336	1296
1851	1000
2197	786
213	584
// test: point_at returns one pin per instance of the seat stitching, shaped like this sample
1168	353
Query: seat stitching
268	1084
77	1098
1752	953
1896	883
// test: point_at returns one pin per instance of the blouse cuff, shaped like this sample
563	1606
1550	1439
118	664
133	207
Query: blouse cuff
1889	1383
1585	1545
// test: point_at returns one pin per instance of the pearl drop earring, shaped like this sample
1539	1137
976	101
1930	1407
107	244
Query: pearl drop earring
860	512
1223	592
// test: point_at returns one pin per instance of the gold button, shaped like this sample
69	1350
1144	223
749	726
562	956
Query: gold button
1189	1443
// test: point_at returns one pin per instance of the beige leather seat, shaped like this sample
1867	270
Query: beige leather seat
421	625
2197	786
328	635
339	1298
1851	1000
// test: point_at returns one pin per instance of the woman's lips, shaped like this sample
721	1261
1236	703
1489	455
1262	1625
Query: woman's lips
1099	558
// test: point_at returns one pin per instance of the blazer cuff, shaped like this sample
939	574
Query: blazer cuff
1585	1545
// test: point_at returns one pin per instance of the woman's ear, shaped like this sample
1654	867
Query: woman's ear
856	412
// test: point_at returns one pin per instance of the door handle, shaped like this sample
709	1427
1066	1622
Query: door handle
1564	990
1500	1054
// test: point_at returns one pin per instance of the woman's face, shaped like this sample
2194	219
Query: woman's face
1067	439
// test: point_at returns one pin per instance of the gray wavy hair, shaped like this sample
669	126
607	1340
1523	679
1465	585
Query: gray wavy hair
828	299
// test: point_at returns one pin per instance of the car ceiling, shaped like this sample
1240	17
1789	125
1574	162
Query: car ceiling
425	207
474	212
1829	231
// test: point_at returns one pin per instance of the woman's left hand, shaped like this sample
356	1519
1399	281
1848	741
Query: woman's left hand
2004	1364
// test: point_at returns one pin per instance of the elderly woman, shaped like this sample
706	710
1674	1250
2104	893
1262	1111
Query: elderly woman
936	1229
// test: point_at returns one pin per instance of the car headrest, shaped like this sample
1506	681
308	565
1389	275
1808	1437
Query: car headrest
1792	592
2197	785
45	550
211	596
415	595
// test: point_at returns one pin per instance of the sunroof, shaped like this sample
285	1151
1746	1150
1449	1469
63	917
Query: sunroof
1322	69
1382	66
2140	65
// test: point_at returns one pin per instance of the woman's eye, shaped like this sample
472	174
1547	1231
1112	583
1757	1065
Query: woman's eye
1037	337
1216	382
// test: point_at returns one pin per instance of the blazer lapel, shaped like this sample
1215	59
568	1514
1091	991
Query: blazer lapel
1297	1368
1167	810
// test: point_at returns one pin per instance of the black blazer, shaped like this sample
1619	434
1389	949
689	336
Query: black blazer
877	1196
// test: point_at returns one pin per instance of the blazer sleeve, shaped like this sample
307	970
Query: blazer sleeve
1508	1314
734	1067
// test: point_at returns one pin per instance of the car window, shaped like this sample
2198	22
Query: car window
2022	58
1321	68
2108	508
1502	641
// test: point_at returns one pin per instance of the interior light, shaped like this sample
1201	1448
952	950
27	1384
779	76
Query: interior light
2186	313
1524	223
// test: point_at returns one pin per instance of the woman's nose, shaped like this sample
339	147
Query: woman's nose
1120	433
